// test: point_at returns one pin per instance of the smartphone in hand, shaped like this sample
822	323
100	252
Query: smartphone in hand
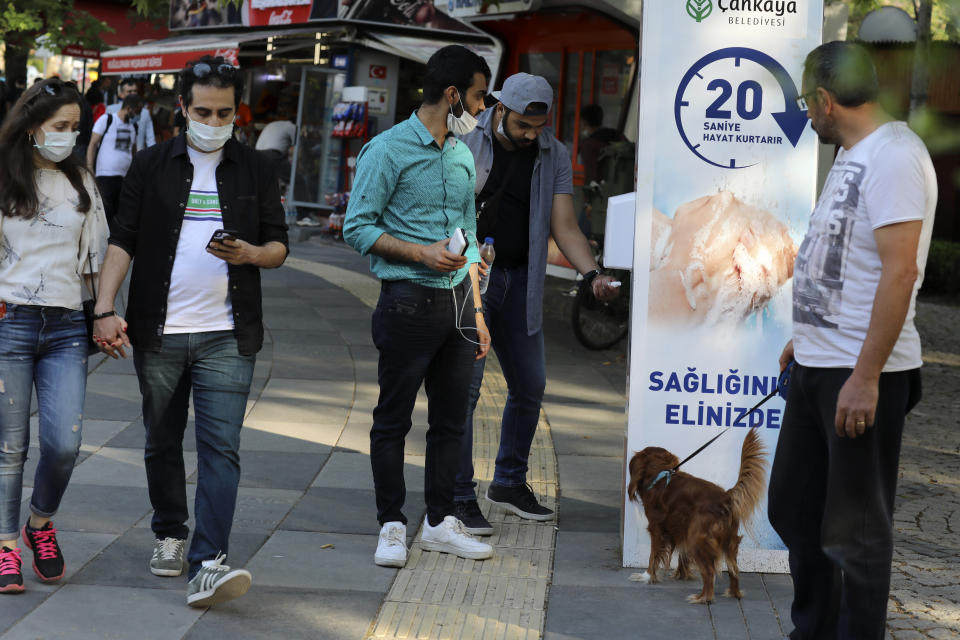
223	234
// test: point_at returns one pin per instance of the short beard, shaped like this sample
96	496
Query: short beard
827	134
506	133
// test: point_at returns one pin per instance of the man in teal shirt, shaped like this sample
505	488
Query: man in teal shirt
413	190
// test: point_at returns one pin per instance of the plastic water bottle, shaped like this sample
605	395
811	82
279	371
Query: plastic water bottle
488	254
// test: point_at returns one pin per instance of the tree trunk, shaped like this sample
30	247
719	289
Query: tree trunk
921	55
15	62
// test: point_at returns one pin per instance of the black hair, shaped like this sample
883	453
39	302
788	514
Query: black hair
222	75
454	66
133	102
93	96
126	81
845	70
592	115
18	165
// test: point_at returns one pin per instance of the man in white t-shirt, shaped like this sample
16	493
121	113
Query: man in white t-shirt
195	316
111	149
145	134
857	352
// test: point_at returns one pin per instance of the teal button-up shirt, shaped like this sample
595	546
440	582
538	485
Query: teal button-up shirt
409	187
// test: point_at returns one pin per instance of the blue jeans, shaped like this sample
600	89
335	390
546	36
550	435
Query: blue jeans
209	364
44	347
522	360
414	331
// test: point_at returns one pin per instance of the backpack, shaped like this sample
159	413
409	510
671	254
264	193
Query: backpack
136	130
616	164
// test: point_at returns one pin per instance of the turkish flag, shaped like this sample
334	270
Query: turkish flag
378	71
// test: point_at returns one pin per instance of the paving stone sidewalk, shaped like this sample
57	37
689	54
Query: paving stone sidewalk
306	524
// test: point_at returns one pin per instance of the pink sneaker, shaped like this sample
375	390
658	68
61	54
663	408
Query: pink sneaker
47	557
11	578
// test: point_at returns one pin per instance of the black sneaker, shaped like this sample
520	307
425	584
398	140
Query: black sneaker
472	518
11	578
47	558
519	500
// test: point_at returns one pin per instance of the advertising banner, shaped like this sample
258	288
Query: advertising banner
726	184
165	62
417	14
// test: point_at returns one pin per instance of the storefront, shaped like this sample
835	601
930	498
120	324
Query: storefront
343	78
588	54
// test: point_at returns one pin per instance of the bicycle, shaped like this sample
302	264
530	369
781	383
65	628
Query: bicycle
600	324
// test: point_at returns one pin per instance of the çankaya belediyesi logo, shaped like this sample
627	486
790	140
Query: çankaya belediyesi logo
699	10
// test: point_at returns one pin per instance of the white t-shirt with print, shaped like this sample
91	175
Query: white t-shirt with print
116	148
199	298
884	179
42	257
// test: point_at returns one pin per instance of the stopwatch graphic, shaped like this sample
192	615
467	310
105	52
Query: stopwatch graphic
734	104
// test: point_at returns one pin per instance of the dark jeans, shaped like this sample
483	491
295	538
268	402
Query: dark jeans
110	187
46	348
831	501
208	364
414	331
522	360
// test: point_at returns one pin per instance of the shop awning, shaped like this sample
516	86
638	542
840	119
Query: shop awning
172	54
420	49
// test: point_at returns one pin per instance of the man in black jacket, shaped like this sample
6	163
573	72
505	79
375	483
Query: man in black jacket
195	315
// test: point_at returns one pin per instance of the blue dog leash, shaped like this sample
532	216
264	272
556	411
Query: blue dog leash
782	383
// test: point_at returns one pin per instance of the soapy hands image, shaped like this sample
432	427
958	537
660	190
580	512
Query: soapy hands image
717	261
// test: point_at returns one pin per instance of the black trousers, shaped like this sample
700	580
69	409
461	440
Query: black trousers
414	329
831	501
110	187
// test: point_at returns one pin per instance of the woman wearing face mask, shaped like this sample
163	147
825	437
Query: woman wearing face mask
52	233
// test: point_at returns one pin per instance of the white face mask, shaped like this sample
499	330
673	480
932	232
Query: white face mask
56	145
462	125
205	137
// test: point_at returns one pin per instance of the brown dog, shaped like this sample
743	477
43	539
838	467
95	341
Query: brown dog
697	518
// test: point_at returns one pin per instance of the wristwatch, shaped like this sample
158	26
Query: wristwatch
478	310
105	314
590	275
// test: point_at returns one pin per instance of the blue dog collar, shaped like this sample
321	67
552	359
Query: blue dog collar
666	473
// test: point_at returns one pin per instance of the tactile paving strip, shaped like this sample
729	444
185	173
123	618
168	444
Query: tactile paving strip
439	596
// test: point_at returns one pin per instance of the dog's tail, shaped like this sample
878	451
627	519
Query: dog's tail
633	489
746	494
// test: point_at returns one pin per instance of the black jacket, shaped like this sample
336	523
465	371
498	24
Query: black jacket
147	226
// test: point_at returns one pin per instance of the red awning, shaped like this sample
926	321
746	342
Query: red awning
170	55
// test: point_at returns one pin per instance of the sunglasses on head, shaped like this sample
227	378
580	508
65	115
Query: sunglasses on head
203	69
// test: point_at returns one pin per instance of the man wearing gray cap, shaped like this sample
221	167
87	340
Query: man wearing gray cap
524	194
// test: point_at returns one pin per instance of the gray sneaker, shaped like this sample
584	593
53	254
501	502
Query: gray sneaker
168	555
216	583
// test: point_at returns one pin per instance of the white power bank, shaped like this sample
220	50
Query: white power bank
458	243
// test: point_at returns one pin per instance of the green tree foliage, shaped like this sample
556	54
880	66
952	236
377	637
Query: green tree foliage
944	20
22	22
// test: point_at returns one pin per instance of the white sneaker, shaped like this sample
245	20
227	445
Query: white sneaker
392	546
450	537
